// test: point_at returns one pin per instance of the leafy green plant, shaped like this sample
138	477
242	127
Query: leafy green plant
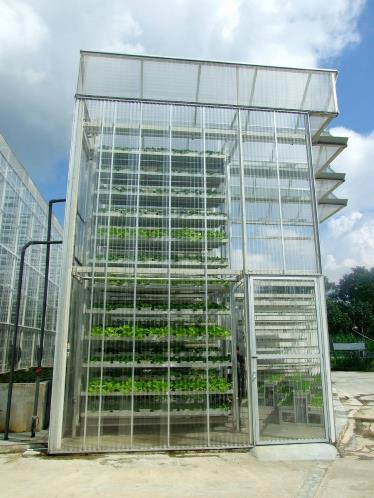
142	332
154	385
154	233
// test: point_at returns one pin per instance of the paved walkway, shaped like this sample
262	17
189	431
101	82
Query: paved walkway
212	475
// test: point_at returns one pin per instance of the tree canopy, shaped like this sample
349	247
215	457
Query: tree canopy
350	304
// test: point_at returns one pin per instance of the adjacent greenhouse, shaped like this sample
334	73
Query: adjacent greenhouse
23	217
193	312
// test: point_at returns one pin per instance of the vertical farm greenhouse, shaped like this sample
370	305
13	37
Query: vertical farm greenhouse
193	309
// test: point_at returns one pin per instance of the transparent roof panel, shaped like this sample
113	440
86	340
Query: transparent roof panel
326	186
324	154
206	82
327	210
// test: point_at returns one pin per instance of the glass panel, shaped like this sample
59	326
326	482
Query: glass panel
23	217
152	341
295	195
261	190
178	80
289	386
277	189
158	344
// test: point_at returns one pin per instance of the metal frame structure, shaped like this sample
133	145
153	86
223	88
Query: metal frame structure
176	206
23	217
321	356
15	336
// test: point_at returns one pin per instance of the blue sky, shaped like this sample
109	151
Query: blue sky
39	52
356	77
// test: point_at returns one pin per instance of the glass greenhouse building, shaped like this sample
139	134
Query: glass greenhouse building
193	309
23	217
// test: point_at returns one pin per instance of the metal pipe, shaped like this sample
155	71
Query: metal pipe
38	369
16	327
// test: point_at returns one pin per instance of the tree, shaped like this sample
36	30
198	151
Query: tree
338	318
350	303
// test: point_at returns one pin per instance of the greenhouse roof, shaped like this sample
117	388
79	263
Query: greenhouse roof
11	159
162	79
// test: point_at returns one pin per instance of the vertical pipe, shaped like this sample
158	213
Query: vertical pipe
44	313
16	328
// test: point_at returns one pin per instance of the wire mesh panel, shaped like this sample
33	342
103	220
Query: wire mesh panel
175	206
279	218
289	386
153	361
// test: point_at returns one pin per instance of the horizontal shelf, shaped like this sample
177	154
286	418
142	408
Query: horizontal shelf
184	364
176	219
165	193
156	413
163	174
147	312
159	245
290	317
175	338
161	240
176	289
162	198
264	134
156	273
167	153
173	264
159	393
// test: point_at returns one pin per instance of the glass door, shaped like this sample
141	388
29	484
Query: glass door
287	382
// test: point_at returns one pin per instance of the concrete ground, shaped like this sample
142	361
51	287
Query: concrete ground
221	474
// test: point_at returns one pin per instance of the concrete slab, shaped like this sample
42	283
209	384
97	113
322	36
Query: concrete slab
292	452
12	447
205	475
21	441
353	383
365	413
349	477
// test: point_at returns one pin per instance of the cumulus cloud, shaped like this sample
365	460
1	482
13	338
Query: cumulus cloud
357	162
40	42
344	224
348	239
22	34
353	248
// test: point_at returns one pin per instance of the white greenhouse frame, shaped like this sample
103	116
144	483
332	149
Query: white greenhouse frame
112	86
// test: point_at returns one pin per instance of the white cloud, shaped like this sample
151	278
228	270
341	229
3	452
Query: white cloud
40	42
22	34
353	248
357	162
230	13
343	224
348	239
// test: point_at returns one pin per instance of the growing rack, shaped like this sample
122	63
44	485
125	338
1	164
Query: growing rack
158	356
